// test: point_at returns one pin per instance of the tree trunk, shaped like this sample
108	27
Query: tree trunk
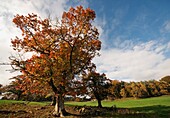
19	96
99	103
53	102
59	106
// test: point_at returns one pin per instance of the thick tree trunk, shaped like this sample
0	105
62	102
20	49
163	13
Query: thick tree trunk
59	107
99	103
97	96
53	102
19	96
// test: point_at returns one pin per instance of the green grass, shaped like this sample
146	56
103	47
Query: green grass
156	106
20	102
159	106
122	103
10	101
128	103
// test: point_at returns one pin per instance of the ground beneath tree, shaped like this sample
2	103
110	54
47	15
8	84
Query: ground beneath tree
22	110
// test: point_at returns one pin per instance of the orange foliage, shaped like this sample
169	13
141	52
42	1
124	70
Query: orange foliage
61	50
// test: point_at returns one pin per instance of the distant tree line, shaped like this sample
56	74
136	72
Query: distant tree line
97	87
143	89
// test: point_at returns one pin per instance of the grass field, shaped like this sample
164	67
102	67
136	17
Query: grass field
159	106
128	103
155	105
29	103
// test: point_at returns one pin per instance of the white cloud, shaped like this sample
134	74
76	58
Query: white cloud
83	3
166	27
169	45
43	8
142	62
100	24
117	17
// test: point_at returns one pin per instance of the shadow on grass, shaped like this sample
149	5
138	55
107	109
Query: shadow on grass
138	112
23	110
156	111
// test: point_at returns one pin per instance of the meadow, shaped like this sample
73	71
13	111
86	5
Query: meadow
155	105
158	107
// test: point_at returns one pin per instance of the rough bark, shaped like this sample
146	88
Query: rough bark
59	107
53	102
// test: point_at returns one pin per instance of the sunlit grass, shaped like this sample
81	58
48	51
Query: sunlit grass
128	103
159	106
122	103
25	102
10	101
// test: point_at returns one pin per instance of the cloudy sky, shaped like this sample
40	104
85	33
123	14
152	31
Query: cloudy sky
135	34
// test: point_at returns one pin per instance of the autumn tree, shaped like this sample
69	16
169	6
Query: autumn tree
153	88
12	89
59	51
115	89
97	84
166	79
125	90
143	90
27	88
164	88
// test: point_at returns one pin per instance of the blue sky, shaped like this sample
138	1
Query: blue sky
137	20
135	34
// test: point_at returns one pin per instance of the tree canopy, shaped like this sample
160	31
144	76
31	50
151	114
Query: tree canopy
59	51
97	85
